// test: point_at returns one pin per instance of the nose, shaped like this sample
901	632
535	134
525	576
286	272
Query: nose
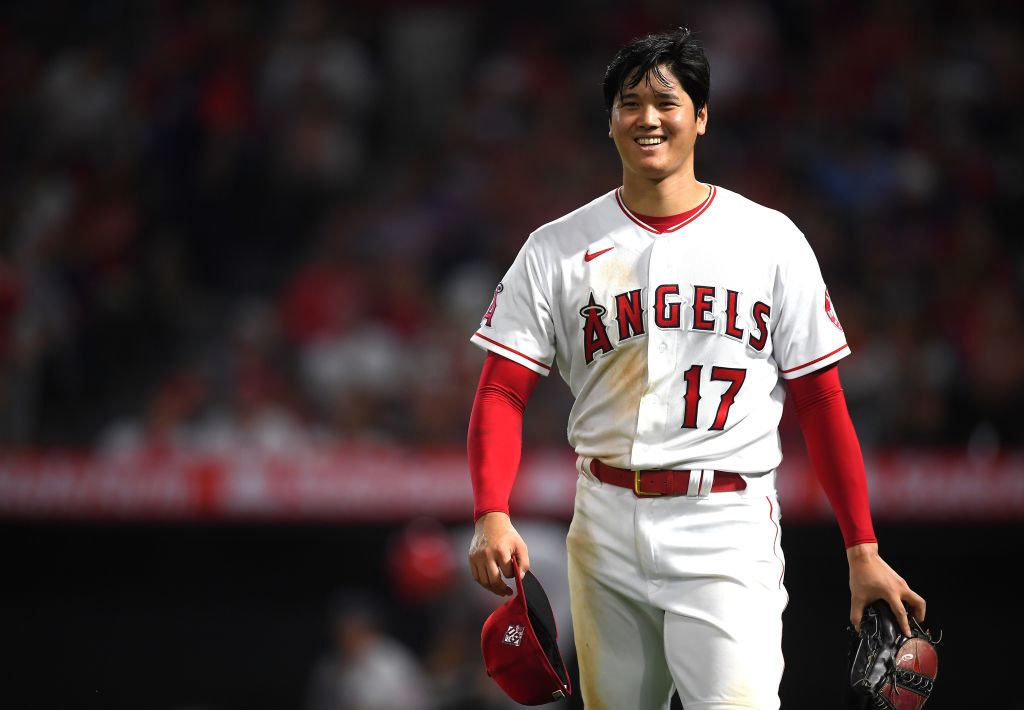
649	117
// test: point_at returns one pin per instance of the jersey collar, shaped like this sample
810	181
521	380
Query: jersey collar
687	216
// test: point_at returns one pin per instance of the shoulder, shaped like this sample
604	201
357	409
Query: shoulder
580	226
743	209
766	231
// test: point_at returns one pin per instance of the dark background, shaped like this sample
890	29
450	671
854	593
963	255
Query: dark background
234	617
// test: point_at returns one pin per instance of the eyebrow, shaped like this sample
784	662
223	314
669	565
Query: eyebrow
657	94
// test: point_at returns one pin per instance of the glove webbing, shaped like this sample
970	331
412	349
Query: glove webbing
901	678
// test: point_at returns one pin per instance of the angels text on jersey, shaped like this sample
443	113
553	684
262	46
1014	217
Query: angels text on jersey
668	313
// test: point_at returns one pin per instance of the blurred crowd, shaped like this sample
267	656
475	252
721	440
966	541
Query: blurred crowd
227	223
418	647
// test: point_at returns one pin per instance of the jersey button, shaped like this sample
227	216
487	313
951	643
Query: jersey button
662	347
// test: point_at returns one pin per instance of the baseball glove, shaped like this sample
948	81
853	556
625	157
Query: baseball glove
892	671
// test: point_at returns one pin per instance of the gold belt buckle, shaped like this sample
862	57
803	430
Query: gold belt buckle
636	485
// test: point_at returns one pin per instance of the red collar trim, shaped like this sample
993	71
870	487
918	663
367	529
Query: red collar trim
685	217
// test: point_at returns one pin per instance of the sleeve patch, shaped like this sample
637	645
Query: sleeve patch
486	320
830	311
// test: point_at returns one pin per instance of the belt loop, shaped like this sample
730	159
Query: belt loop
706	482
693	491
700	483
583	466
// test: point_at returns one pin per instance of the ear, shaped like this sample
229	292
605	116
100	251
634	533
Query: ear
702	120
609	128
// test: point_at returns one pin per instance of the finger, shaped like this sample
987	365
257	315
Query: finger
506	568
901	615
477	560
485	571
523	557
480	576
494	580
516	550
496	587
916	603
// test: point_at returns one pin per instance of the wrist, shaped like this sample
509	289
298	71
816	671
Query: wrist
482	510
491	515
862	552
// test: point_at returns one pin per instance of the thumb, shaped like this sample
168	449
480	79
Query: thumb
856	614
523	558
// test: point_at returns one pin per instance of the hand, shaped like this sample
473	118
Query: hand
871	578
494	543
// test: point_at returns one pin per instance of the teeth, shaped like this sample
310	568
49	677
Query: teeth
649	141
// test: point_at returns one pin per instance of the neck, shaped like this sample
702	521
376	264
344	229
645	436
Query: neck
662	197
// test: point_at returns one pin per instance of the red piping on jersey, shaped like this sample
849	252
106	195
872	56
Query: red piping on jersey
495	342
701	209
808	364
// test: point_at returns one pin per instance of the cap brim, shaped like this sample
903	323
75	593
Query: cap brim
542	622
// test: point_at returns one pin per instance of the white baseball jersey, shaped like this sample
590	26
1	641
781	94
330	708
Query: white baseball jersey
674	343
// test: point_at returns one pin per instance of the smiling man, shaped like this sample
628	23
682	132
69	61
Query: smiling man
679	313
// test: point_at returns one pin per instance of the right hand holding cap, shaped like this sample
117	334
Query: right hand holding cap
494	544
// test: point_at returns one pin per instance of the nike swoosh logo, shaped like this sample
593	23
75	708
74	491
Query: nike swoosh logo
588	256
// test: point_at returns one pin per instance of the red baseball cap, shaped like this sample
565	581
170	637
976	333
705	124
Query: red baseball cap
520	645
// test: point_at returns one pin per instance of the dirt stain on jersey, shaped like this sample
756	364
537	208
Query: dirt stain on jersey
617	274
614	397
630	370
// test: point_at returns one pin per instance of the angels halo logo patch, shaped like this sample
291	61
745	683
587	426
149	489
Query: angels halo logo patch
486	320
830	311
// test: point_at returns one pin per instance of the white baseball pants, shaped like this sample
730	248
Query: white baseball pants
677	592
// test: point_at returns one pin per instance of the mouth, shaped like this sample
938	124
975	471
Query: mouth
649	140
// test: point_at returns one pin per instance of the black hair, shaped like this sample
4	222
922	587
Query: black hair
678	50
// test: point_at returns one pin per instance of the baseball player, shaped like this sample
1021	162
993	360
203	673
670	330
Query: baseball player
680	314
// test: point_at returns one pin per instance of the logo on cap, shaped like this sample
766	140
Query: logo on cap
514	635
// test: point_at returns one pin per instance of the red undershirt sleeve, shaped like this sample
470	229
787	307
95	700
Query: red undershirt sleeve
834	450
495	436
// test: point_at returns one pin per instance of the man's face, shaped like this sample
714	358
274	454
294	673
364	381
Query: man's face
654	127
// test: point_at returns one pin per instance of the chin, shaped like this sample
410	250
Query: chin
651	172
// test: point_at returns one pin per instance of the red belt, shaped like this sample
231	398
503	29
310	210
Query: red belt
661	482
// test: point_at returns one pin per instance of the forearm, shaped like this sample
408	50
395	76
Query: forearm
494	441
494	446
834	451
